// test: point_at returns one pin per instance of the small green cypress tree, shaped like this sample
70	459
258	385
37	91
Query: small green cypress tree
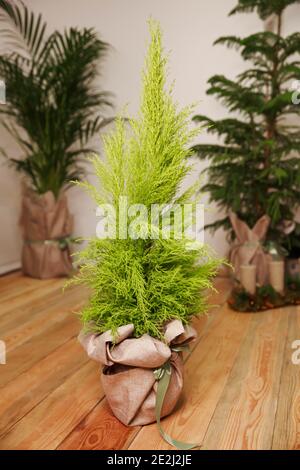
144	281
255	169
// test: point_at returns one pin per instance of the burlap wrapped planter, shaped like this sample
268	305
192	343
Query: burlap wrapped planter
129	363
248	248
46	225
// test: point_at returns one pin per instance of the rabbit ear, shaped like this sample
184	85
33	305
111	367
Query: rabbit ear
261	226
240	228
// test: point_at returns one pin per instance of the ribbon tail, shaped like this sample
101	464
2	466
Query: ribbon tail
162	387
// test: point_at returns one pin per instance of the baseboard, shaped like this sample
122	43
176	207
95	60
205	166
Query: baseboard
6	268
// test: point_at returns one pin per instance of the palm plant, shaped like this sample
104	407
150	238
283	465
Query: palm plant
53	109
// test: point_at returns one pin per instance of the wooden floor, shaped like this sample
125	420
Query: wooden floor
241	389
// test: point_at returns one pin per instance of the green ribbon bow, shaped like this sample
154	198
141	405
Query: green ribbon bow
276	250
163	377
62	242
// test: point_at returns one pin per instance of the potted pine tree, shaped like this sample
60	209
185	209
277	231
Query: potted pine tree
146	286
52	111
254	168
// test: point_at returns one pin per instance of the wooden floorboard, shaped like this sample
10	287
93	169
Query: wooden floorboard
241	389
206	373
52	420
21	395
245	415
287	421
92	433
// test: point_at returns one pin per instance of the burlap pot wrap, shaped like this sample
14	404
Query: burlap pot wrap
248	247
46	222
128	369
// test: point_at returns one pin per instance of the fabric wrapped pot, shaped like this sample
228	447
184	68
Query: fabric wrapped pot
46	226
129	364
248	247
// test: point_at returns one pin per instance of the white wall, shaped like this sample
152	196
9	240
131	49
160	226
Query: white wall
190	28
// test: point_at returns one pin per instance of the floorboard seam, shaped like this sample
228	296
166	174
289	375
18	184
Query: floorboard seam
6	432
39	360
281	375
228	377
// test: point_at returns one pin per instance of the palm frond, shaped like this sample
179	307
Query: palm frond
51	95
24	29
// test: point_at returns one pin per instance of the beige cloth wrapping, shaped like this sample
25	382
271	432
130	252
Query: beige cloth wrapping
127	376
248	249
43	218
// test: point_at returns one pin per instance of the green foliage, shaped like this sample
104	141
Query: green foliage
52	108
255	169
264	8
144	281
